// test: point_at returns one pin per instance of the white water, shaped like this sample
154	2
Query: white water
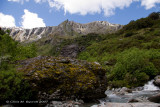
150	86
149	89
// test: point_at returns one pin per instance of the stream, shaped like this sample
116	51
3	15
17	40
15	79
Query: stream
120	95
141	93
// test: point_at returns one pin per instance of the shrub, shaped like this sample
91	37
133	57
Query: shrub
154	15
156	33
134	67
16	51
128	34
139	24
13	86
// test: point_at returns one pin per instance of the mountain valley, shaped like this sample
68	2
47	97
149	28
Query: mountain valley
74	62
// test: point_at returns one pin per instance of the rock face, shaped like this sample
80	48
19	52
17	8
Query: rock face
71	50
20	34
157	81
66	28
65	78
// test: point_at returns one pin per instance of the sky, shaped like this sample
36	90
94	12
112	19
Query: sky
40	13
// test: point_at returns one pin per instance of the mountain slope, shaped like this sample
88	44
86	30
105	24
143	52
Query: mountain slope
66	28
132	54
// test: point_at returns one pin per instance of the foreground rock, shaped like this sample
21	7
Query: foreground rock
64	78
64	103
129	105
155	98
157	81
139	99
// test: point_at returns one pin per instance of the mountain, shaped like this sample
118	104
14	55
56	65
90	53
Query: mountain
66	28
131	55
76	67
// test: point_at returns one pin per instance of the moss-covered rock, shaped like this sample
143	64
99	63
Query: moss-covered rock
58	78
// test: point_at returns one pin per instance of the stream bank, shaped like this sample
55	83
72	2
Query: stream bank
137	97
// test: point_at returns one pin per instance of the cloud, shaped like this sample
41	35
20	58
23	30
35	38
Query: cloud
149	3
7	20
31	20
84	7
39	1
19	1
108	7
15	0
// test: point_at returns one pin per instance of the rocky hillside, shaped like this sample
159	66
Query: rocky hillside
66	28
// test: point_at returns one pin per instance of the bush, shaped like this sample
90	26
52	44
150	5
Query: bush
13	86
16	51
24	52
134	67
154	15
156	33
128	34
139	24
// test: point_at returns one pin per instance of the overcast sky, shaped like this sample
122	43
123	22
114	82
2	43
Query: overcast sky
41	13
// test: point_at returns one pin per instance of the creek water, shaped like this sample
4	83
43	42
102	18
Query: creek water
150	86
148	90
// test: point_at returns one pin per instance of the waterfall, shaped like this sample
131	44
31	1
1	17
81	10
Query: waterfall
150	86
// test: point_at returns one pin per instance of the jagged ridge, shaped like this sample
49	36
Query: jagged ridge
66	28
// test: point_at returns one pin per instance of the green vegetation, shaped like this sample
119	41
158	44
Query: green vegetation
13	86
53	47
133	68
14	50
132	55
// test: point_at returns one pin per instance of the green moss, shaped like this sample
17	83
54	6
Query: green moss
70	76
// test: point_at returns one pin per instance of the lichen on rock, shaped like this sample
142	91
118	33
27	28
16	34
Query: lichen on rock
65	78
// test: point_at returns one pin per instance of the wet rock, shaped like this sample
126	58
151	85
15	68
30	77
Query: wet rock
65	103
122	91
137	89
133	100
157	80
155	98
59	78
129	105
139	99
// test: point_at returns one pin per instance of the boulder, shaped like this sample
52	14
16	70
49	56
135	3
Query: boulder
155	98
65	103
122	91
59	78
71	50
157	80
138	99
133	100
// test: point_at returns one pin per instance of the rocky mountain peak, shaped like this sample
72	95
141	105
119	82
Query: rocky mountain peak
66	28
